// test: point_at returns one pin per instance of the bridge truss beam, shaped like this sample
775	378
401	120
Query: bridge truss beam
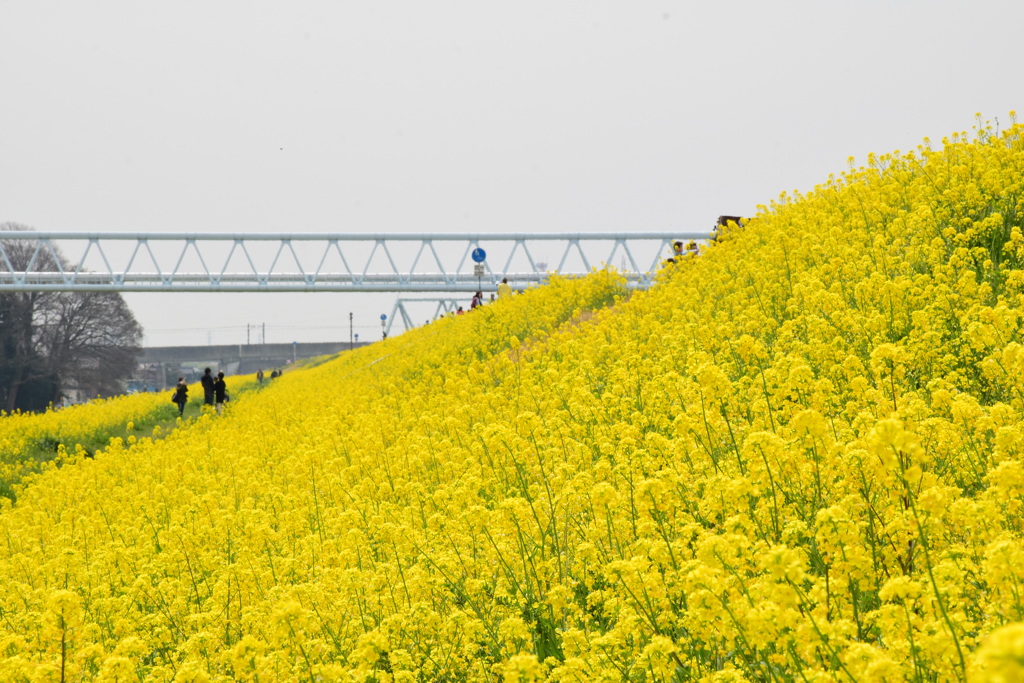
401	309
228	262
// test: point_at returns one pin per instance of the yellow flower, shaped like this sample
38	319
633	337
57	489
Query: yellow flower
1000	659
900	589
522	668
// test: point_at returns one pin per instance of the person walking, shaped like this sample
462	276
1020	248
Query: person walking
259	375
504	289
181	396
220	389
478	300
207	382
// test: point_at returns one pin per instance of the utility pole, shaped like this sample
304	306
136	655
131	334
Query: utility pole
264	333
351	345
247	326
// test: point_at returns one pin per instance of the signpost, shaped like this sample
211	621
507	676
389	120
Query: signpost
479	256
383	320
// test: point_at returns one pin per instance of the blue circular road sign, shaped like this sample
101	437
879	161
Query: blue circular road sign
383	316
479	255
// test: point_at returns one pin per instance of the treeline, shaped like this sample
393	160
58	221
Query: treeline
54	345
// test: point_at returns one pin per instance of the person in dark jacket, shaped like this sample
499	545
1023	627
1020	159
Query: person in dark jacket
207	382
220	389
181	396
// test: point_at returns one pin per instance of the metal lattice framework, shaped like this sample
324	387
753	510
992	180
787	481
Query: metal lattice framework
225	262
402	305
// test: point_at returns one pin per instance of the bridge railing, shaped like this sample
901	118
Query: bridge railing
305	262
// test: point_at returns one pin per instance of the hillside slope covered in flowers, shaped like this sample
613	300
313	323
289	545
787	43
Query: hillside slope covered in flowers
798	457
33	442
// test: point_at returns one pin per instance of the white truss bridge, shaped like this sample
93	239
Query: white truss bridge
255	262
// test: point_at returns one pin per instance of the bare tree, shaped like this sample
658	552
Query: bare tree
20	363
91	339
50	341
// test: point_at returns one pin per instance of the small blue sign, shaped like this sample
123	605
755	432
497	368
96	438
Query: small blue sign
383	316
479	255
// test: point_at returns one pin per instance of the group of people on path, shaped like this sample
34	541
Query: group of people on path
504	290
215	392
273	375
215	389
681	253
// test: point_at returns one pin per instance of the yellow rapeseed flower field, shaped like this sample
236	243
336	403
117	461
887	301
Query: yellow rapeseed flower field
799	457
23	431
30	442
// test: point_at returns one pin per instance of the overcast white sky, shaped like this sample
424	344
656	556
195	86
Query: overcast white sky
471	116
